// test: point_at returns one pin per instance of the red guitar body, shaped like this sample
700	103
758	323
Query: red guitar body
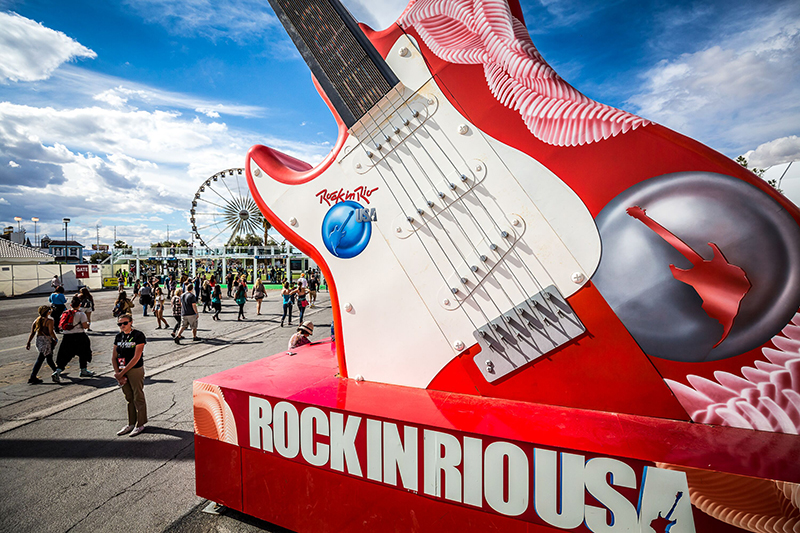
627	386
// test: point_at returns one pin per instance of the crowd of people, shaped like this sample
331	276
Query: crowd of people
72	319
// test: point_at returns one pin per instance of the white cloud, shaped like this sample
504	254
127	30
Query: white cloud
13	164
125	94
378	14
740	92
31	51
3	201
783	150
240	20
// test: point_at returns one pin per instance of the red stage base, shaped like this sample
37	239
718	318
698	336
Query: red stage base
285	440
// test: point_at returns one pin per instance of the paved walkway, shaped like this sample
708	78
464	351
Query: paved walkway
63	469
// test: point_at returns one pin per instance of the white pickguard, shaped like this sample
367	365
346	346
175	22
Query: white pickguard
405	321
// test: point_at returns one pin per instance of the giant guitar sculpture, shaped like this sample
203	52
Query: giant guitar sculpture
507	238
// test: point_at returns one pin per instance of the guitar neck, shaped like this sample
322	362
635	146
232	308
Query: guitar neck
352	73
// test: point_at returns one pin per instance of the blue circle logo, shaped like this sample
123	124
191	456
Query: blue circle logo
344	232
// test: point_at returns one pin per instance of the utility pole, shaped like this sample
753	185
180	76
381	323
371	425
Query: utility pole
168	233
97	230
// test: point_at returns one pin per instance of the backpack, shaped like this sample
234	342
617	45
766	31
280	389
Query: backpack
67	319
117	309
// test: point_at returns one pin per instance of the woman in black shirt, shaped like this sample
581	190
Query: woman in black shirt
127	358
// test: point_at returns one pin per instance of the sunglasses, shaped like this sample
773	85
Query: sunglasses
120	324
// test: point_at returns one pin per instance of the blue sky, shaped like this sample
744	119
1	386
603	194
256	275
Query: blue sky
112	113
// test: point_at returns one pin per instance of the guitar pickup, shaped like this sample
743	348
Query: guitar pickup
387	126
446	192
480	263
525	333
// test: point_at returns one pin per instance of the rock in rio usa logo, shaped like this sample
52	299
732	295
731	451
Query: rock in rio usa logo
347	228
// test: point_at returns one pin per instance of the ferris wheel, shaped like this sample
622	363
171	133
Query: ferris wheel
222	208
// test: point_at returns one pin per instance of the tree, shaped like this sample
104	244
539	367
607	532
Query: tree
247	240
121	244
183	243
99	257
758	172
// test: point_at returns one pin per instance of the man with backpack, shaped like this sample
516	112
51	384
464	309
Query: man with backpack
74	341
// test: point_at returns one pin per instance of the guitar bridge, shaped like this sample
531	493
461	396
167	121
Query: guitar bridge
525	333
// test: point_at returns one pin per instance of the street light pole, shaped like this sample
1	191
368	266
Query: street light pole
18	219
66	224
35	231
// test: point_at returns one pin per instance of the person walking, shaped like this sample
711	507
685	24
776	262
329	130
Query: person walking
44	330
240	297
176	309
74	341
188	314
59	304
87	305
216	301
145	296
122	305
313	287
205	296
287	294
159	302
229	281
55	283
137	286
302	301
259	293
301	337
127	357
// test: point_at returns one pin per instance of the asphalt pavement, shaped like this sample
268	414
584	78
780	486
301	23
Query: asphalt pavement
62	468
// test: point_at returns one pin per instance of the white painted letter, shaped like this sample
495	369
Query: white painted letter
287	430
309	415
546	499
442	455
343	443
494	480
374	460
473	471
396	456
260	420
623	513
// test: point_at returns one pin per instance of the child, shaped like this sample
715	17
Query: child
301	337
44	329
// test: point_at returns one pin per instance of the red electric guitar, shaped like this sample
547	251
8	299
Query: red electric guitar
468	266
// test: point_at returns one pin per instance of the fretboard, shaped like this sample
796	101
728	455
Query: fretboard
352	73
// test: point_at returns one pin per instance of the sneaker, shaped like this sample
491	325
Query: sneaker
35	381
177	340
124	431
85	373
197	339
56	377
136	431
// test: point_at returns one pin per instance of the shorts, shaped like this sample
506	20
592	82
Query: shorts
44	345
189	321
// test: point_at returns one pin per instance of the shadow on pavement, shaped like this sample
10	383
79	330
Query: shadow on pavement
112	448
195	521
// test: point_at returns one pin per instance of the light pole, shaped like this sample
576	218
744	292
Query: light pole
35	221
18	219
66	224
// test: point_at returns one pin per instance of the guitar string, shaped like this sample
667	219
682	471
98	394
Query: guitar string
455	219
513	249
437	218
473	218
419	237
480	203
400	205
